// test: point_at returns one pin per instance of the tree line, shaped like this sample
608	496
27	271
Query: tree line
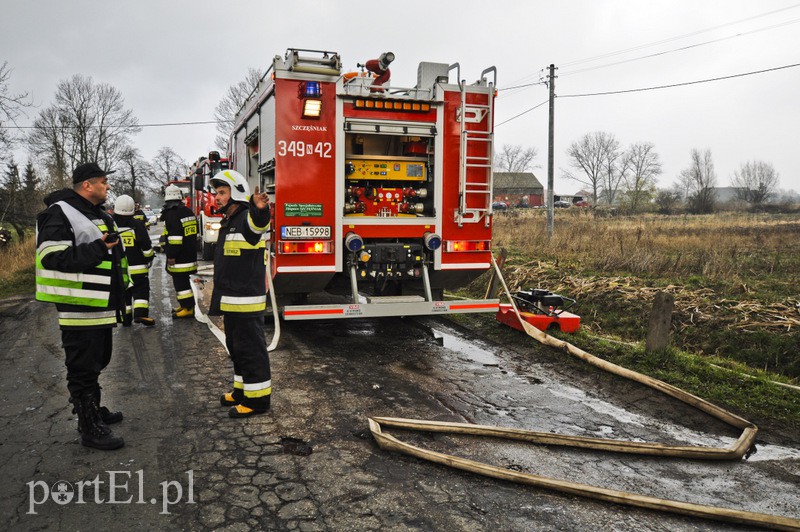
86	121
627	178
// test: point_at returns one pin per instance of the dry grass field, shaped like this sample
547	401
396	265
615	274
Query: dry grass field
735	277
17	267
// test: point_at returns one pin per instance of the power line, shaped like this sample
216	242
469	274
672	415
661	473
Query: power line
678	37
522	86
163	124
682	48
522	113
662	41
680	84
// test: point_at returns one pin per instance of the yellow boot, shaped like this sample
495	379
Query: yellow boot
184	313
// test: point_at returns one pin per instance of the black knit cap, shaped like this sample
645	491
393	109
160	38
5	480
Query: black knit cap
86	171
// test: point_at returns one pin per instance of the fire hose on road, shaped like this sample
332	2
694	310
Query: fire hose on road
202	318
734	452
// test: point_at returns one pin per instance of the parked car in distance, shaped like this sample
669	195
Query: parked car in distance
499	206
150	217
560	204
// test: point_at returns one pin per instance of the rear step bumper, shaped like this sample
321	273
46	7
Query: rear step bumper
389	308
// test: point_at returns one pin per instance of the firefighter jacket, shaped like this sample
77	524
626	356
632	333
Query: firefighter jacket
180	230
74	268
240	263
138	246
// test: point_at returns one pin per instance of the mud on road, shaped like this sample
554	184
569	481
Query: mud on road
311	464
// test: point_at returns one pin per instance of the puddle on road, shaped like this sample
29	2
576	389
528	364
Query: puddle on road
472	352
765	452
295	446
560	390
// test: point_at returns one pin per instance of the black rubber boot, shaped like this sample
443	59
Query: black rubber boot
108	417
94	433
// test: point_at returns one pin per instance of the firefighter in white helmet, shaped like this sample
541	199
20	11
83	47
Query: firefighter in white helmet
139	250
240	292
180	235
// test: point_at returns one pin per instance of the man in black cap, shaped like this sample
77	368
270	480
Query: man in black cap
81	267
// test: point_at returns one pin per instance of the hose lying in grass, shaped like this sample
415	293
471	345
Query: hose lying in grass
733	452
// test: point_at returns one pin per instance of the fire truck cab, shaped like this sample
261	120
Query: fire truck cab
381	193
203	204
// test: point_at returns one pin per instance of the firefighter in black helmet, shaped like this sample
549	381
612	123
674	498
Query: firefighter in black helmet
240	292
180	230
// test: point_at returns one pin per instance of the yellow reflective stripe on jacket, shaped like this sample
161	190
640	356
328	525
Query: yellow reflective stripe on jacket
184	267
55	286
87	319
53	245
72	279
138	269
255	228
243	304
236	244
257	389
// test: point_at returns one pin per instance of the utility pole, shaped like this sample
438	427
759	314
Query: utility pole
551	134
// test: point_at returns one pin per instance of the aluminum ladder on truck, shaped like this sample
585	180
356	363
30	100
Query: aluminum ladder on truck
476	182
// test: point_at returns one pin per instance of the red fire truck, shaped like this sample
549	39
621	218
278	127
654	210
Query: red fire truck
199	198
381	193
204	205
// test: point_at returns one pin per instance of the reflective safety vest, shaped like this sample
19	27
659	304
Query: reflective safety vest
89	292
239	270
138	259
180	231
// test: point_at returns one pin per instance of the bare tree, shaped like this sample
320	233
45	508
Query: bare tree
230	104
616	170
11	106
135	176
757	181
515	158
87	122
50	141
668	199
167	165
594	158
700	178
643	168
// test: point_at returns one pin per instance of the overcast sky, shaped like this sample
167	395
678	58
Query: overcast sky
174	60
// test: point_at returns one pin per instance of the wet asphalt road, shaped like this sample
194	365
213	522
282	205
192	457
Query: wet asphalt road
311	464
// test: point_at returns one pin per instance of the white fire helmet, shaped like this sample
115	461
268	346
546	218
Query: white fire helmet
124	205
172	192
240	190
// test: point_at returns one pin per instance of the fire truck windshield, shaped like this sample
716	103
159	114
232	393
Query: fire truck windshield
218	166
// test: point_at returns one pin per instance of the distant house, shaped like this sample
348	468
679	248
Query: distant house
582	196
518	188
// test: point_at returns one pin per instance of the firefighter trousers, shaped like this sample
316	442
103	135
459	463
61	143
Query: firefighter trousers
139	296
247	345
88	353
183	289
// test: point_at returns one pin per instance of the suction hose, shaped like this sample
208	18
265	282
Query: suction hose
735	451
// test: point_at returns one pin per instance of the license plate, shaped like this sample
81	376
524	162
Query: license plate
305	231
